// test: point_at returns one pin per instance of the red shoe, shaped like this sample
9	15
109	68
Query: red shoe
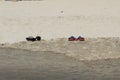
82	39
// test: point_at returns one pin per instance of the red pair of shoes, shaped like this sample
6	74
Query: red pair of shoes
72	38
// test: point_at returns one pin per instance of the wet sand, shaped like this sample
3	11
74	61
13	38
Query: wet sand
18	64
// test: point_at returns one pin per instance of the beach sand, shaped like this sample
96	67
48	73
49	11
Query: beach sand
53	19
54	57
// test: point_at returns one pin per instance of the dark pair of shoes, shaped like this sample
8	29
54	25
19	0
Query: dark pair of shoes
31	38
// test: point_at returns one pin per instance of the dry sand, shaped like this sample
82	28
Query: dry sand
89	18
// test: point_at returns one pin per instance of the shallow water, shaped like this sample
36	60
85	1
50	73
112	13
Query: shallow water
16	64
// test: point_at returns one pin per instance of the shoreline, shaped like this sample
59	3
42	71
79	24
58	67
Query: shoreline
90	49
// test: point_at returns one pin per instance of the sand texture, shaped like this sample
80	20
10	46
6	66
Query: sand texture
59	18
54	57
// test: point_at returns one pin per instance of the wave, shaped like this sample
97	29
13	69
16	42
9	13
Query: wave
91	49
